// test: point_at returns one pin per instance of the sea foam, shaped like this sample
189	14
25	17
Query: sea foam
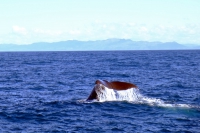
131	95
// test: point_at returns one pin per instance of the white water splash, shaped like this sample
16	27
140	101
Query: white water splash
160	103
131	95
106	94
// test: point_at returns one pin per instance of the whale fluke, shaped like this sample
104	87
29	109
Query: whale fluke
115	85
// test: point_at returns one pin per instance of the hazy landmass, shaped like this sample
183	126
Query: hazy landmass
109	44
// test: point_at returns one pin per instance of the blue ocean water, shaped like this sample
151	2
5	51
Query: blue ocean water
46	91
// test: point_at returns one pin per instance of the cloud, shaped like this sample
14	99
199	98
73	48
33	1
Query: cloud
75	32
185	34
46	32
137	32
143	29
19	30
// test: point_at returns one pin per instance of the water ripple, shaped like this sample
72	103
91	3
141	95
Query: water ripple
46	91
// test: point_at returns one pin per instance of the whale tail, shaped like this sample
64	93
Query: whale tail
115	85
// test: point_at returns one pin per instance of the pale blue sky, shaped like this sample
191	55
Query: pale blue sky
28	21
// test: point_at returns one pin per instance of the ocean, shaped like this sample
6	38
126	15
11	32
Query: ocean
47	91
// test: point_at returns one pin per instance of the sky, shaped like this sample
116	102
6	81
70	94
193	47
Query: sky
29	21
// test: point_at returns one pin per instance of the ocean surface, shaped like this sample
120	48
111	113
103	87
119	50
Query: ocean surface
47	91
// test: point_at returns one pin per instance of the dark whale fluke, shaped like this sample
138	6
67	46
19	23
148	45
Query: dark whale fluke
115	85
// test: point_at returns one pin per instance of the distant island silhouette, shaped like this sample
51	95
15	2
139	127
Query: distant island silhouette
99	45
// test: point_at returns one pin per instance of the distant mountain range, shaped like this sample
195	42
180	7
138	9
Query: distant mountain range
100	45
